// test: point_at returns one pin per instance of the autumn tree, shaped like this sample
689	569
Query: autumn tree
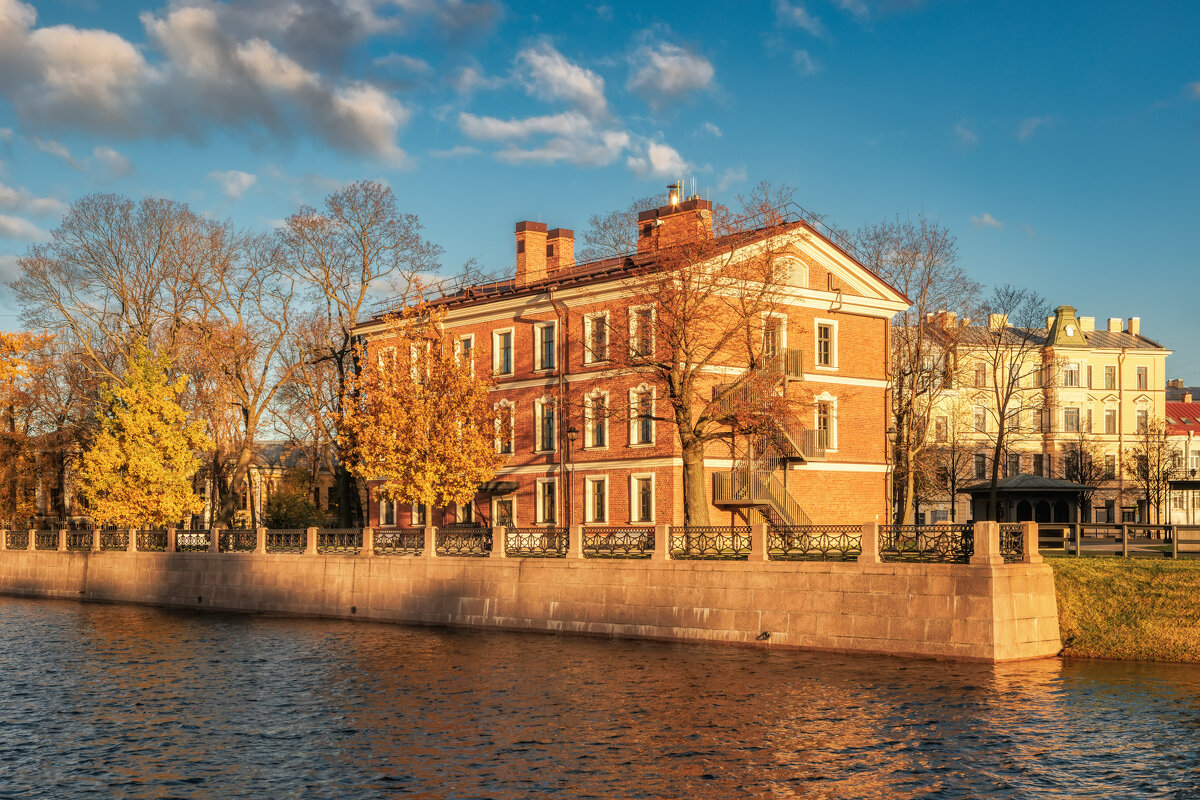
420	420
290	504
1151	463
21	378
138	471
1083	463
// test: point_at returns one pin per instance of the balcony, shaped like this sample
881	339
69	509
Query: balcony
786	361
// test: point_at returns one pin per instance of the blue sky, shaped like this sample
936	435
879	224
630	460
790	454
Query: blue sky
1059	141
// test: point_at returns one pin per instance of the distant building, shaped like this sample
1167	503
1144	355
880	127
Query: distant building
1183	427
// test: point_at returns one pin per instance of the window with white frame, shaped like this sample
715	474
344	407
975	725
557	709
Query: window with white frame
502	352
1110	420
981	460
505	427
547	501
980	416
417	515
1110	468
504	511
464	513
596	420
641	331
1110	377
596	499
826	344
641	415
595	337
547	344
774	336
1143	420
464	351
641	498
825	419
1087	420
1071	420
792	272
1070	374
387	511
545	425
387	359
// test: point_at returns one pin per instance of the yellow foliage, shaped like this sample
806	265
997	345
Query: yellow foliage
138	472
15	349
418	419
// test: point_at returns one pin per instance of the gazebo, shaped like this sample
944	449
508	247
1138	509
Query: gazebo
1028	498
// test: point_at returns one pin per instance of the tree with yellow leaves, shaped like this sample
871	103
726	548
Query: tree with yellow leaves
423	423
139	470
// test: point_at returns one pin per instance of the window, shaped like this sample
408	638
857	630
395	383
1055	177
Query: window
981	465
1047	421
387	359
1110	468
464	513
545	425
980	419
772	344
941	428
387	512
1142	378
1071	375
546	340
1071	420
502	352
595	338
504	512
826	344
980	375
641	498
464	352
641	331
1110	377
596	420
1110	420
596	499
1194	461
547	491
1014	464
417	515
1143	420
1089	376
504	427
641	416
1039	464
1087	421
826	419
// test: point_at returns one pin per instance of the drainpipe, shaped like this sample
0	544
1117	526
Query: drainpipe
560	310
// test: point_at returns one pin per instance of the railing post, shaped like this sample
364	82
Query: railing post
869	547
758	542
987	544
662	543
260	541
575	541
4	539
1029	535
31	542
368	544
310	541
430	550
499	542
131	545
95	540
171	533
1124	540
62	540
1173	533
214	539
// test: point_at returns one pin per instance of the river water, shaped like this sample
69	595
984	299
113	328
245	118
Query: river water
104	701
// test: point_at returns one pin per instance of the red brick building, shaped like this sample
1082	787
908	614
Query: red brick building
590	429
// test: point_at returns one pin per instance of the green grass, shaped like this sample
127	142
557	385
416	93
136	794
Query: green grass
1135	609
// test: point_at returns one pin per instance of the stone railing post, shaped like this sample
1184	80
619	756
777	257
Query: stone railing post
131	545
662	543
95	540
368	544
31	544
1124	540
499	542
171	532
260	541
869	547
575	541
62	540
430	549
1029	535
987	544
4	539
214	540
310	541
758	542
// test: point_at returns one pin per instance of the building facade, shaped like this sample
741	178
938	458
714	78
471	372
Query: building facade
589	434
1183	430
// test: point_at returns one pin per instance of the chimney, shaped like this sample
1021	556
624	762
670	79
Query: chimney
1087	324
997	321
1049	323
1135	325
560	250
1114	324
531	252
1175	383
676	223
1187	397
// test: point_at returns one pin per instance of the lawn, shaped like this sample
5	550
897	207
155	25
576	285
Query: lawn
1137	609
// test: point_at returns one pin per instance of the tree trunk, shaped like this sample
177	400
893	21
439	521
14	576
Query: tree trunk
695	500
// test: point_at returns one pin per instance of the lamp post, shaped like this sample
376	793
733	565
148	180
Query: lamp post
890	455
572	435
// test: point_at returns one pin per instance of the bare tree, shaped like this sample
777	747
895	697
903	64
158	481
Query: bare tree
1083	463
615	234
1151	463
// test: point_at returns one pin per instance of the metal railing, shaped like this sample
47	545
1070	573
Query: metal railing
1012	542
464	542
152	540
400	542
814	542
79	540
45	540
1125	540
16	540
339	540
287	540
756	485
787	361
114	540
238	540
546	541
192	541
952	544
618	542
730	543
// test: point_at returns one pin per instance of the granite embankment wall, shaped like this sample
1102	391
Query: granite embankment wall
989	611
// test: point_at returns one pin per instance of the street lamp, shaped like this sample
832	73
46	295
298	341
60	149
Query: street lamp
572	435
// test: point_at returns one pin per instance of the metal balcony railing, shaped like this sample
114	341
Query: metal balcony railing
786	361
752	485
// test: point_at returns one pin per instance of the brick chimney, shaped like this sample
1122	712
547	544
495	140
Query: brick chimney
998	321
1135	325
560	250
1187	397
678	223
531	252
1087	324
1114	325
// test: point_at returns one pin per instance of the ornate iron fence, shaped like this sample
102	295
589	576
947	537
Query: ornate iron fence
544	542
287	540
192	541
339	540
79	540
114	540
238	540
16	540
1012	542
814	542
618	542
464	542
45	540
400	542
719	542
954	544
153	540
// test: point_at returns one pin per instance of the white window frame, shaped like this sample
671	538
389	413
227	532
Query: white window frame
1116	418
1071	367
589	420
539	408
538	327
590	481
512	426
633	498
979	418
413	513
589	326
1078	420
539	511
468	508
769	315
386	506
831	439
496	334
833	344
634	417
384	351
792	268
459	350
634	314
512	498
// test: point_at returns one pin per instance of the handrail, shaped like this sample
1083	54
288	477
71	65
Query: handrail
757	484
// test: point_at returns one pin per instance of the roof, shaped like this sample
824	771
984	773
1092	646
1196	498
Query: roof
1100	340
1024	482
1183	418
1175	393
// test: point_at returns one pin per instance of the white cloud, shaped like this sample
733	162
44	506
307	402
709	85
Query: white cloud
458	151
664	72
572	137
9	271
731	176
233	182
117	165
470	79
966	135
549	75
795	16
986	220
1030	125
56	149
17	228
23	201
659	160
568	123
597	150
713	129
417	66
856	7
804	62
6	135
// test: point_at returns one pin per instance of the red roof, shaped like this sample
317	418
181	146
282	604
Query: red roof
1183	418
